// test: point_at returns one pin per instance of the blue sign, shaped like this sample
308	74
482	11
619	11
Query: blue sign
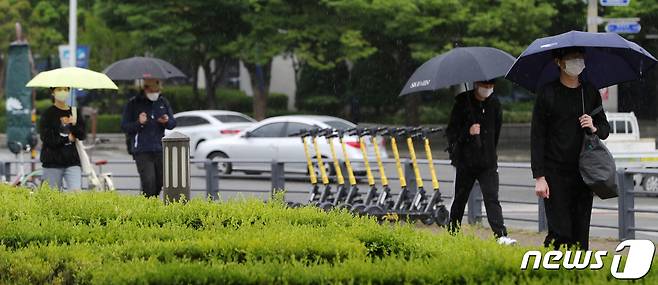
614	2
82	61
623	28
82	56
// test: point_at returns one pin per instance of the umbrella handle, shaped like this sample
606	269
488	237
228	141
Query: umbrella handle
74	111
74	115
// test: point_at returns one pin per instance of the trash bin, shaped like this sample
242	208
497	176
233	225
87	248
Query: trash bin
176	152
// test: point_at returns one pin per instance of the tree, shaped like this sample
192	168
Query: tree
198	32
640	96
311	32
510	25
401	31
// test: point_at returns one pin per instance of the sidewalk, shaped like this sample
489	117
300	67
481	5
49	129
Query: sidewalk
527	238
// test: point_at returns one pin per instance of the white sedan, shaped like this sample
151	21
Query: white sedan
270	140
205	125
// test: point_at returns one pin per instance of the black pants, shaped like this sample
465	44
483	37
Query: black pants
568	210
149	166
488	178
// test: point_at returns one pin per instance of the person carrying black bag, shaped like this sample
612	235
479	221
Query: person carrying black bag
144	120
473	133
559	121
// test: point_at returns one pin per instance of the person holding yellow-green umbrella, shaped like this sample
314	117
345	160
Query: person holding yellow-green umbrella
60	129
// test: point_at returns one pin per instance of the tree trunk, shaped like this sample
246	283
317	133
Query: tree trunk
260	84
2	76
195	85
210	87
411	103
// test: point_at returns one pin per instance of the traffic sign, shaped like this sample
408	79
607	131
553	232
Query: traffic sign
614	2
623	27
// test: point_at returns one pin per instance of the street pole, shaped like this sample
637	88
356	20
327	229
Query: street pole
609	103
592	16
73	31
73	47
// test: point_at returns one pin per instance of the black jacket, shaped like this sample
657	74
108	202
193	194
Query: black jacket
467	151
556	135
146	137
57	150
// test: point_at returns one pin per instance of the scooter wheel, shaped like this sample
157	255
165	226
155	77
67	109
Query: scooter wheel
374	210
428	220
358	209
344	206
326	206
441	216
292	204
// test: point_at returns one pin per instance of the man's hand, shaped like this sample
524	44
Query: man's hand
65	120
163	119
142	118
71	137
586	122
541	188
474	130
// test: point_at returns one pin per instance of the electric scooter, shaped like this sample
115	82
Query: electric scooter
384	206
345	196
372	197
315	193
327	201
428	209
326	192
353	197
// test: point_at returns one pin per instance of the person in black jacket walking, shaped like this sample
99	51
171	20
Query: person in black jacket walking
144	120
58	131
558	126
473	133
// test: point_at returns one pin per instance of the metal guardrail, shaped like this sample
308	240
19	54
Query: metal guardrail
278	176
626	206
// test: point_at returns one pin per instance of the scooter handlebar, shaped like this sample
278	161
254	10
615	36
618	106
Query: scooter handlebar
301	133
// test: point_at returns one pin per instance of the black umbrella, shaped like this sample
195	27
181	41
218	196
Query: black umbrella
142	67
460	65
609	60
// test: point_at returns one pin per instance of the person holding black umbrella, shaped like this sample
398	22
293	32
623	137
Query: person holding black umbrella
559	120
144	120
473	132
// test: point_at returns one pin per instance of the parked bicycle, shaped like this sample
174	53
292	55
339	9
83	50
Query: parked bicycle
30	180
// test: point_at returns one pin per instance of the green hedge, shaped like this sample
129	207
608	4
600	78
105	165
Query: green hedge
326	105
182	98
108	238
107	124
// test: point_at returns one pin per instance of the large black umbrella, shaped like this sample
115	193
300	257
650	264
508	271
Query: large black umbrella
142	67
609	60
460	65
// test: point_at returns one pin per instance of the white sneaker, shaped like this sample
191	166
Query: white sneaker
506	241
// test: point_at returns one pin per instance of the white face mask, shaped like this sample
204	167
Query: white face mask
485	92
153	96
61	95
574	66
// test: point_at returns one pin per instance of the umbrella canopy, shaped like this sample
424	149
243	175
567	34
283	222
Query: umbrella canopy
609	60
142	67
460	65
73	77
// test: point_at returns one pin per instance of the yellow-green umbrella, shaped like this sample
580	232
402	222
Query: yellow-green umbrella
73	77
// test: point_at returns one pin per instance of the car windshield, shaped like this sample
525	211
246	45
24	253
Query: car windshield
339	125
232	119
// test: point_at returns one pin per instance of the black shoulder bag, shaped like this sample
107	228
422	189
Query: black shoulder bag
596	164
